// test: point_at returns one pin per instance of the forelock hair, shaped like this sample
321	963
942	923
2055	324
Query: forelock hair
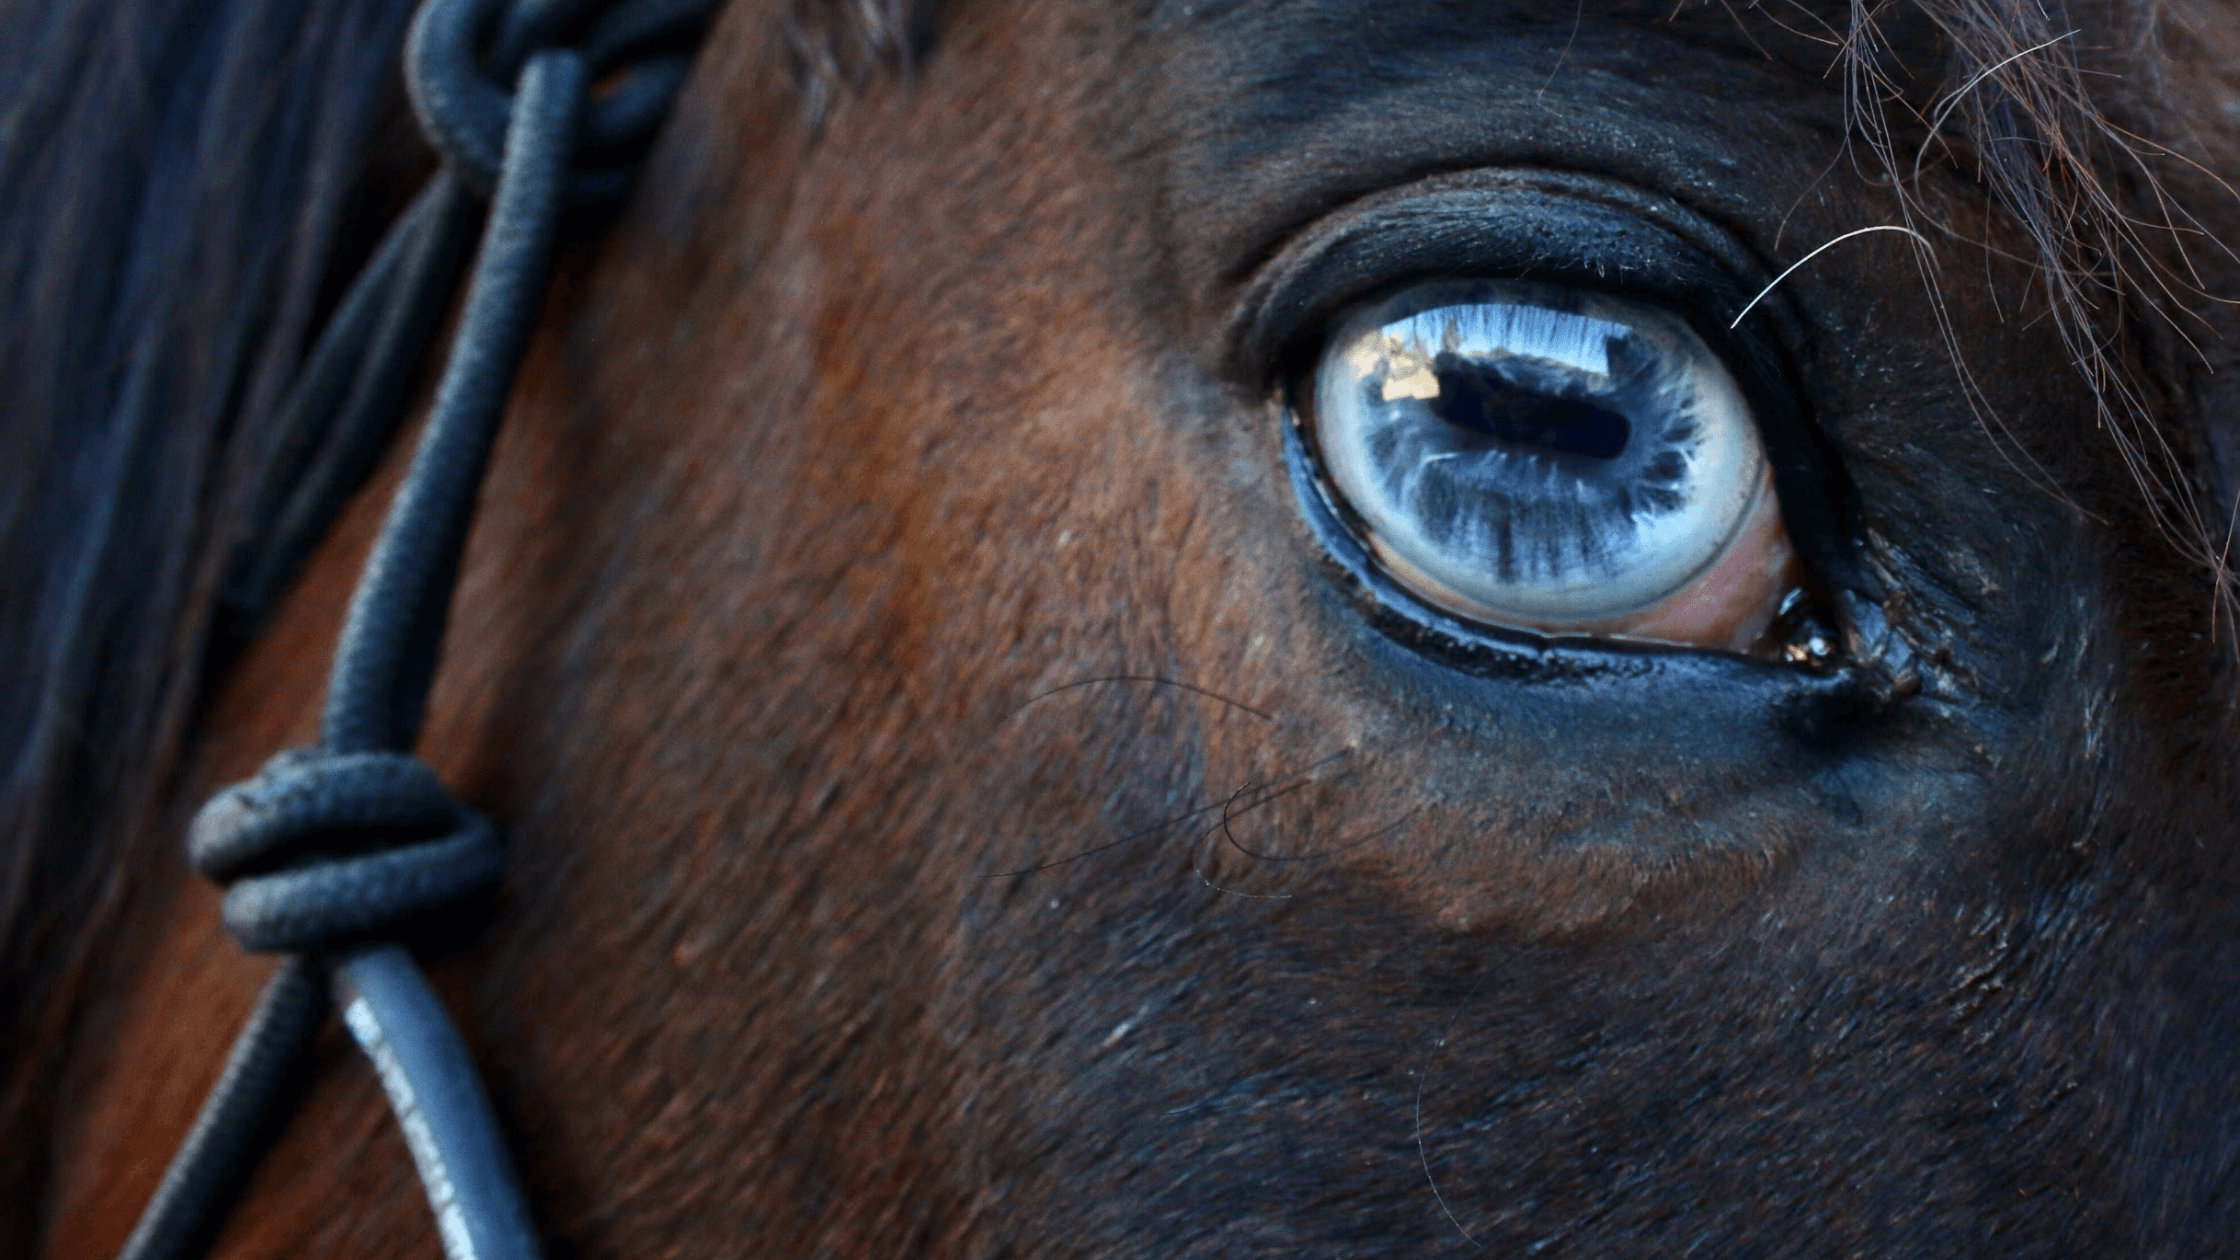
833	46
2077	120
174	178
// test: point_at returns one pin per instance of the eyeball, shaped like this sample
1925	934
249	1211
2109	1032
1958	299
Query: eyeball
1553	460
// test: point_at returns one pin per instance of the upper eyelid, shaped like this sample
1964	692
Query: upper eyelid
1523	223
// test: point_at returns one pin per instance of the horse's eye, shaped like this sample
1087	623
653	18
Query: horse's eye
1552	460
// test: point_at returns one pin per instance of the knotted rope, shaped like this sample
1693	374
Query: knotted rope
282	843
330	852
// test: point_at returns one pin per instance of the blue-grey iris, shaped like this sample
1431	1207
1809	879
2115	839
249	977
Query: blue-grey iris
1534	455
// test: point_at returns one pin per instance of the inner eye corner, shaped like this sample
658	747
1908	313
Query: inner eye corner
1609	482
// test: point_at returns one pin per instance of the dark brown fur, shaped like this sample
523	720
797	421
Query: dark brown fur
894	406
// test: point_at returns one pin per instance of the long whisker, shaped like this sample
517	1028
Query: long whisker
1268	793
1792	267
1197	851
1346	846
1198	864
1153	679
1424	1157
1138	834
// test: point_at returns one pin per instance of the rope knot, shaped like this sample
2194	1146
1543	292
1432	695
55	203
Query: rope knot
323	848
463	57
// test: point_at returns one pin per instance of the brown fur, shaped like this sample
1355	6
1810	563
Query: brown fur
856	440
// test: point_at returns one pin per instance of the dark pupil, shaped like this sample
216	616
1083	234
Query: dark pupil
1475	397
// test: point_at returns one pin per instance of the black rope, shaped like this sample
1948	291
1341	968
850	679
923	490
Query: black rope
237	1119
273	840
465	111
387	653
328	852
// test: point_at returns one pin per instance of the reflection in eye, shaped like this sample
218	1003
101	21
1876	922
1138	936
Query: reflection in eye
1542	458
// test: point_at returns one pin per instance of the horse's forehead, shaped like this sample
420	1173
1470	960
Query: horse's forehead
1377	40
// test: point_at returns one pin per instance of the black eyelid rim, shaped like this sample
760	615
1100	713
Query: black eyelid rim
1808	696
1563	227
1516	223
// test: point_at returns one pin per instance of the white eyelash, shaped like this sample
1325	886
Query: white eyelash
1579	342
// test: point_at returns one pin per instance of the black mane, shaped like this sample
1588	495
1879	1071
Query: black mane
178	181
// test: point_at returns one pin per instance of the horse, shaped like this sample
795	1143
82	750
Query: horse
992	764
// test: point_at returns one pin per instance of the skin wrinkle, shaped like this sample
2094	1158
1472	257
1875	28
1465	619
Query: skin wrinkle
837	452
